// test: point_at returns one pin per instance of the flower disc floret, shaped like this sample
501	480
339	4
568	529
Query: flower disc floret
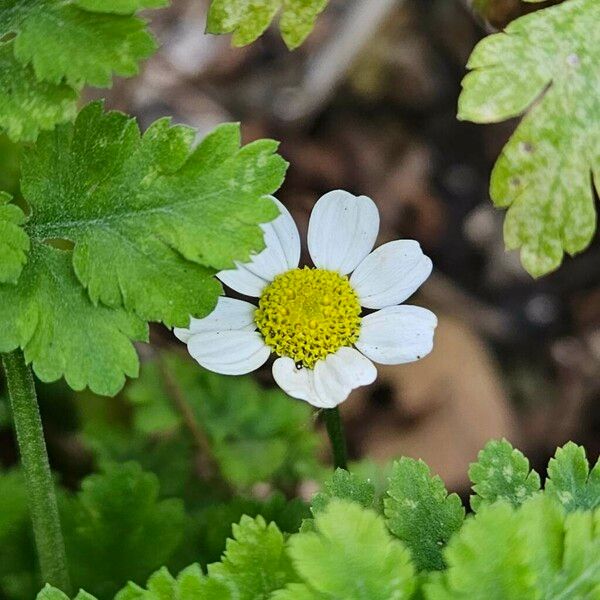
307	314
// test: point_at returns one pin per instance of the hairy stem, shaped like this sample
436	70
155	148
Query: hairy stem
34	459
335	431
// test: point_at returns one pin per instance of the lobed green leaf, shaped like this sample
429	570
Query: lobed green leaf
421	513
546	63
349	556
255	562
534	551
149	217
570	480
501	473
248	19
49	315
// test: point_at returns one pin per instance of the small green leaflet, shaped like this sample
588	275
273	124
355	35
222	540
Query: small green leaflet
501	472
546	62
255	562
345	486
421	513
248	19
14	242
142	222
349	556
570	480
54	47
27	104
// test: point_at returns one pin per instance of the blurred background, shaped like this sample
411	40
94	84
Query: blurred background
367	104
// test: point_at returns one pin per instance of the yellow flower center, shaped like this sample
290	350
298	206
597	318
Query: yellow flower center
307	314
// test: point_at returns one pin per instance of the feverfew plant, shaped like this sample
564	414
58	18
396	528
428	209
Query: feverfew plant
119	228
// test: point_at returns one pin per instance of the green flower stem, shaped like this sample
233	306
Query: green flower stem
34	458
335	431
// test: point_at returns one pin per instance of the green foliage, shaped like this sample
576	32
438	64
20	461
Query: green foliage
18	577
14	242
255	434
538	547
214	521
501	472
255	562
135	219
533	552
349	556
52	48
570	480
117	529
421	513
248	19
189	585
545	62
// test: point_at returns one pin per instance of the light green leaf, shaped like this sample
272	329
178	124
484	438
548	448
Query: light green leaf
546	62
501	472
52	593
191	584
14	242
248	19
533	552
147	215
63	42
421	513
350	556
28	105
255	562
570	480
120	7
49	315
117	529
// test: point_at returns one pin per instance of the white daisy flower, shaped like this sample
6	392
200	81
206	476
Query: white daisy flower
312	317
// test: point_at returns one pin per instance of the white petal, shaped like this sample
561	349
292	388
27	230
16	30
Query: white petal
397	334
297	383
390	274
229	352
332	380
342	230
229	314
281	253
